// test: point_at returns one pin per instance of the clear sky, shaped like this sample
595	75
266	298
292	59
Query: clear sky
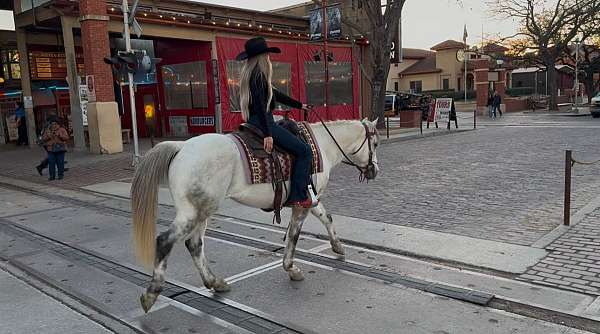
425	22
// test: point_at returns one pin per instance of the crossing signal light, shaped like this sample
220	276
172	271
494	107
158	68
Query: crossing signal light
136	62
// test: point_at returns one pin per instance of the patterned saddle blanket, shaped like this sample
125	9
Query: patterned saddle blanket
259	165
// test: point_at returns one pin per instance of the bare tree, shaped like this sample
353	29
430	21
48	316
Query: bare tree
588	62
548	27
378	29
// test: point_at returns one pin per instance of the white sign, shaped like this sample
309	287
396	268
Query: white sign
83	101
28	102
442	110
202	121
91	88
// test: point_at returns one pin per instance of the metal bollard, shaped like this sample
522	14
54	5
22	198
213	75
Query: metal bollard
387	128
567	204
475	119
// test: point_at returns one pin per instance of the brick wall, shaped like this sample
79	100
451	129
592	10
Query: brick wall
95	48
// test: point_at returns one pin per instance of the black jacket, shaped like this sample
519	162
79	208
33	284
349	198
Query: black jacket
259	91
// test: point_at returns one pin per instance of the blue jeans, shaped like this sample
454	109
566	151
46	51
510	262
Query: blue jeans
56	159
490	110
302	157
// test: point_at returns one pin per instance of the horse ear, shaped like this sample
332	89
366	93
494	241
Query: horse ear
375	121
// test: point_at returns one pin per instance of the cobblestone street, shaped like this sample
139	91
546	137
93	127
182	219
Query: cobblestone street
501	183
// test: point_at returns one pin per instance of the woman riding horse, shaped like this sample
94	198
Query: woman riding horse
258	97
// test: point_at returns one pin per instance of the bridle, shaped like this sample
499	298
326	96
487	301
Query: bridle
367	172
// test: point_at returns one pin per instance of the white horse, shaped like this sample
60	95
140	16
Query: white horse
205	170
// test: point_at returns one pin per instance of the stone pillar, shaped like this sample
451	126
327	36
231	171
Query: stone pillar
26	85
481	84
73	80
501	84
104	124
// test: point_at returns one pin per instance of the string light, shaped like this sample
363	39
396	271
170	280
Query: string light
188	21
238	24
260	26
249	25
112	9
174	19
213	22
160	16
145	14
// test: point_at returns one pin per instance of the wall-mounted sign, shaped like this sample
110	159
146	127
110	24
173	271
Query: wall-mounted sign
334	23
28	102
202	121
51	65
493	76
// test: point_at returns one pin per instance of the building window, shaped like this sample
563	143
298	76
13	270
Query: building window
340	83
185	85
11	69
445	84
234	70
282	81
396	86
416	86
282	77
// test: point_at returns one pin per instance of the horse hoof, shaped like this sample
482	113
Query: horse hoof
296	274
221	286
147	300
338	248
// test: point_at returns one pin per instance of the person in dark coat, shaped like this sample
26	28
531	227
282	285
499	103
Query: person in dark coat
497	101
21	120
490	102
257	101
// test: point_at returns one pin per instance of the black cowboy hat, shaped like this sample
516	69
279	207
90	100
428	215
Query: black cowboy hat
256	46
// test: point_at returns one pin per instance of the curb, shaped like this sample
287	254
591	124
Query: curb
424	135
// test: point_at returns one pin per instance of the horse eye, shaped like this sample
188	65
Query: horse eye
376	144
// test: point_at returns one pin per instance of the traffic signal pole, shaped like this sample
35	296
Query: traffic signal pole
127	37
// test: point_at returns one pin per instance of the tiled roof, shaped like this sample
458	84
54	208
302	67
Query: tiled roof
423	66
448	45
493	47
409	53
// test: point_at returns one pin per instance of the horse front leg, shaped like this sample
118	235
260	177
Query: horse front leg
298	217
325	218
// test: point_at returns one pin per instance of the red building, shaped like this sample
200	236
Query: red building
194	89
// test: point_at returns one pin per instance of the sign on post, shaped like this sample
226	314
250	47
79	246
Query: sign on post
443	106
334	23
83	102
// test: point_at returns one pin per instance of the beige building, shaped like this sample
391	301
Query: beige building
438	69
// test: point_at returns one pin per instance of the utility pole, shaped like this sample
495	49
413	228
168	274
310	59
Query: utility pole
127	37
576	74
326	52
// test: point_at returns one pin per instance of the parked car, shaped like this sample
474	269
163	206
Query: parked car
595	106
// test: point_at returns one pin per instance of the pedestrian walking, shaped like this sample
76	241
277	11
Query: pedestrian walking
497	101
55	138
21	124
44	163
490	102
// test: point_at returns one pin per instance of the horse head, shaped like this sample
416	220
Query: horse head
365	157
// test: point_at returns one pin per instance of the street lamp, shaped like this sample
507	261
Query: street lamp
577	42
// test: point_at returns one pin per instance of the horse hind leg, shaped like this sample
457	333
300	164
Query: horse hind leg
325	218
164	244
298	217
195	245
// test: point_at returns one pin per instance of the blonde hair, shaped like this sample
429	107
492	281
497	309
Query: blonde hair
264	65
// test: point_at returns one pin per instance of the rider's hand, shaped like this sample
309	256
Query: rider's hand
307	107
268	144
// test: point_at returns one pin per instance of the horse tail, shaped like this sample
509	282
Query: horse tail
152	170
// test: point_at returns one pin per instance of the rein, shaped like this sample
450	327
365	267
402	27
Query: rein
362	170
